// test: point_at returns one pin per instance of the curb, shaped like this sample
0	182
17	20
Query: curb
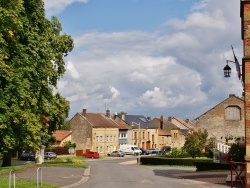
85	178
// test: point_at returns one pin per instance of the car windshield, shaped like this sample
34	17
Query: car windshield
136	148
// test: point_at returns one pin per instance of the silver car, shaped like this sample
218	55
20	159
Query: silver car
50	155
117	154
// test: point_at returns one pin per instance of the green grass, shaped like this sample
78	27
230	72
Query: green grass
4	182
14	168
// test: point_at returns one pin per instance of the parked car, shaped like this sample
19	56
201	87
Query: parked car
50	155
116	154
152	149
27	156
165	149
91	154
144	151
155	152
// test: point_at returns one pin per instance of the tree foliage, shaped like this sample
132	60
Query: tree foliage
195	142
32	51
68	144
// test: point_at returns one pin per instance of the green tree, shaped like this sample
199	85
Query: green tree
32	51
68	144
195	142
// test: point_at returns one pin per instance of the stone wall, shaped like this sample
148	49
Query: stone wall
81	132
217	126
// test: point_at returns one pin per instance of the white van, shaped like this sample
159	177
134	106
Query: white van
130	149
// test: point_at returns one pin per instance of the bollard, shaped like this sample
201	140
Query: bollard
12	176
39	172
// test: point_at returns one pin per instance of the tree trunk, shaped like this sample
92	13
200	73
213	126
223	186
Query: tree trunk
6	159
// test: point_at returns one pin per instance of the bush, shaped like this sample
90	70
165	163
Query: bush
178	153
237	152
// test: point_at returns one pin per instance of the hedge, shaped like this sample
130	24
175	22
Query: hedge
200	164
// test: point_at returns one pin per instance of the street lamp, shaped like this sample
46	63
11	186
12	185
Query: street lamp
139	155
227	69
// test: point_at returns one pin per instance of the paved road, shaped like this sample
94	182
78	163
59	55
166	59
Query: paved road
124	173
115	172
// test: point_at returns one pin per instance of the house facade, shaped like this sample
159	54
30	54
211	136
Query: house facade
94	131
144	131
224	122
125	132
170	134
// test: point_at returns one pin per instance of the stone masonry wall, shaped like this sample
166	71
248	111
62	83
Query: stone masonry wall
216	125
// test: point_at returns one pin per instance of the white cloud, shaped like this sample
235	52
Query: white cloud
72	70
54	7
176	70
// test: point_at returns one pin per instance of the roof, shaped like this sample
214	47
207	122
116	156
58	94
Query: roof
230	96
99	120
137	120
122	125
183	123
61	134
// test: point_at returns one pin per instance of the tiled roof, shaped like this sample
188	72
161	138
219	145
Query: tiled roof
99	120
61	134
163	132
184	123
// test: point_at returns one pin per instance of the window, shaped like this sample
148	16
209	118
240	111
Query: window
97	138
100	138
107	138
135	135
232	113
110	138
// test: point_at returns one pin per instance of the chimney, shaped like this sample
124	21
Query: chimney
169	118
123	117
84	111
161	122
186	120
149	118
108	113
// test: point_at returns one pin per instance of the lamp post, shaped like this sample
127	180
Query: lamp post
139	155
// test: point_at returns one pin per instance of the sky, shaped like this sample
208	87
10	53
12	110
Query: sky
149	57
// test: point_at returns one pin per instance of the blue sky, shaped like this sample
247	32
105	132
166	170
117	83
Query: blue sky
149	57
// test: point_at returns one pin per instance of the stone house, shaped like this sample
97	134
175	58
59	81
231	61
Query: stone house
170	134
94	131
144	131
224	122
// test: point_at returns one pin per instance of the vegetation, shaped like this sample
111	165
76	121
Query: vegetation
4	182
237	153
69	144
178	153
32	51
195	142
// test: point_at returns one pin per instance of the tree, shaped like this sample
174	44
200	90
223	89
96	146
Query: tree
68	144
32	51
195	142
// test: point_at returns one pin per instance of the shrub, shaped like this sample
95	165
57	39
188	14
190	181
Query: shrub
237	152
209	165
